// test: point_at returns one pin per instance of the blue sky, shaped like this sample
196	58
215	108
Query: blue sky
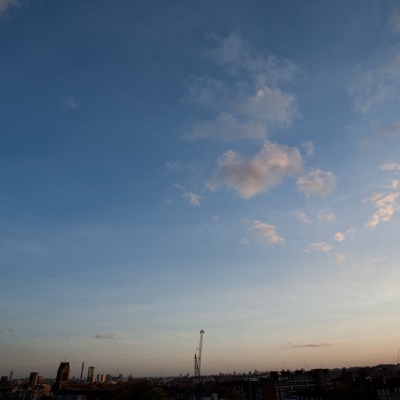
171	166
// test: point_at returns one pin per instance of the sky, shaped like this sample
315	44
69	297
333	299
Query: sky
172	166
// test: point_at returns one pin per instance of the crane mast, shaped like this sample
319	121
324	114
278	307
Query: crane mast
197	357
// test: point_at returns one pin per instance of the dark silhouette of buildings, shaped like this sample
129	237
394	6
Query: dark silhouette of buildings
62	375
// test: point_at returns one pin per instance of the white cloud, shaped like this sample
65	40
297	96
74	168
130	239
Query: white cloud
302	217
390	167
251	176
319	246
316	183
386	205
339	236
395	20
6	5
194	199
267	232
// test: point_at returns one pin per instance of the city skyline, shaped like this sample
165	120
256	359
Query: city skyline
168	167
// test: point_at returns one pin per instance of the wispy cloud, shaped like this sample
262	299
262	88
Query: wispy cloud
390	167
319	246
7	5
392	129
194	199
316	183
251	176
325	217
395	20
267	232
237	56
308	148
386	205
393	185
372	87
302	217
340	257
10	330
71	103
110	337
294	346
247	108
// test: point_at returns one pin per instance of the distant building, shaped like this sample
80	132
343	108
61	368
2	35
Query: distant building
90	375
62	375
33	379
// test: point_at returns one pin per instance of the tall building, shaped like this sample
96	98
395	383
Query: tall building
62	375
90	375
83	367
33	379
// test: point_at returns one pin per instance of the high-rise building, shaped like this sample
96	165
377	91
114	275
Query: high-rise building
83	367
90	375
62	375
33	379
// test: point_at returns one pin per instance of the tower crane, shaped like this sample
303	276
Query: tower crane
197	357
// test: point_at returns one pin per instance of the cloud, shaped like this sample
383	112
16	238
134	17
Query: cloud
316	183
369	88
251	176
302	217
392	129
395	20
104	337
238	57
312	345
227	127
194	199
250	107
340	258
308	148
393	185
390	167
339	236
71	103
252	117
328	217
7	5
266	232
319	246
11	330
270	105
386	205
